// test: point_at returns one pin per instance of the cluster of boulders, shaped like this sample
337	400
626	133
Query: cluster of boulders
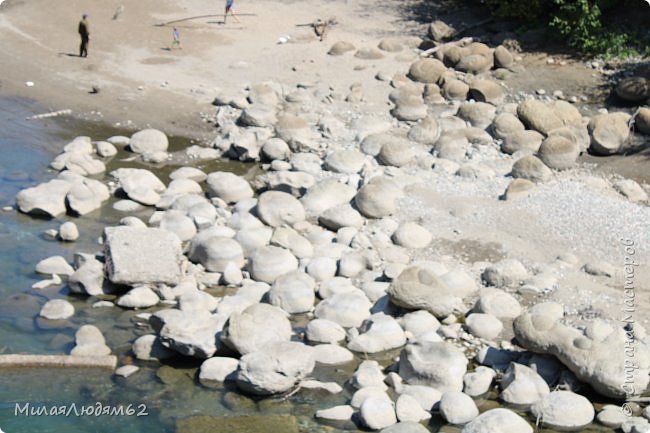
318	235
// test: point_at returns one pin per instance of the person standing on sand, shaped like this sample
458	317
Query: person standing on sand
177	40
229	8
84	33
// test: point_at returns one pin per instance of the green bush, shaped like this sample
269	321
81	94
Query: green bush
579	22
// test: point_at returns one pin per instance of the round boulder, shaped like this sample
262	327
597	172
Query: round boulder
148	140
633	89
255	327
277	208
558	152
553	413
268	263
427	70
531	168
378	198
228	187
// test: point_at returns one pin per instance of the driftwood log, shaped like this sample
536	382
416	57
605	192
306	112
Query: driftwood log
458	43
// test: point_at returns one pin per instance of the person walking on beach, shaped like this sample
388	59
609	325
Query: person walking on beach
176	42
229	8
84	33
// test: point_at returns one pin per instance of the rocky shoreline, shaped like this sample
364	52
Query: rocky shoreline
325	266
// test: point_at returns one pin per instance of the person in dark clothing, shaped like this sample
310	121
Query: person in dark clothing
84	33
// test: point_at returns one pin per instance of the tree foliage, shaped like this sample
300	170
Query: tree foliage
580	22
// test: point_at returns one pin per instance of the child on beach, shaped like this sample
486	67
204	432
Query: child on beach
177	40
229	8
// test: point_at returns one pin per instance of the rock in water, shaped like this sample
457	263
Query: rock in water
457	408
57	309
553	413
589	354
255	327
275	368
142	255
498	421
436	364
190	333
148	140
521	385
228	187
45	199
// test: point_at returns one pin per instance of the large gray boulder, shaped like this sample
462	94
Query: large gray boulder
522	385
293	292
57	309
593	355
348	161
190	333
378	198
140	185
417	287
478	114
633	89
255	327
276	208
148	140
341	216
89	341
396	153
347	309
558	152
215	252
538	116
457	408
406	427
377	412
296	132
498	421
44	199
378	334
439	31
85	195
228	186
275	368
531	168
139	297
523	140
142	255
505	273
268	263
486	91
88	278
326	194
427	131
608	132
427	70
506	123
553	411
437	364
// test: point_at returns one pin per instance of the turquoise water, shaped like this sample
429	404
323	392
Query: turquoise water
164	393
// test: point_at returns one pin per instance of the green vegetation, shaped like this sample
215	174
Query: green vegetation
587	25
